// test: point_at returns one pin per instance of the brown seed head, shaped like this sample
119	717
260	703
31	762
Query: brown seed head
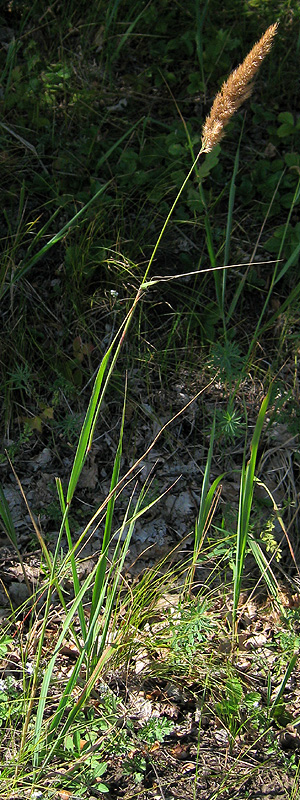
234	91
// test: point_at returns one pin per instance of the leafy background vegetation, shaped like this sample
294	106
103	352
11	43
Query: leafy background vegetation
102	105
74	83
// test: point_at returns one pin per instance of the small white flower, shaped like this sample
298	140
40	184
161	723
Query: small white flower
3	686
114	293
29	668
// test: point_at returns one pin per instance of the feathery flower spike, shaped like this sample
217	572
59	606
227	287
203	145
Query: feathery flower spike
234	91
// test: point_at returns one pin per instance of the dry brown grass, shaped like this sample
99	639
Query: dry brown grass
234	91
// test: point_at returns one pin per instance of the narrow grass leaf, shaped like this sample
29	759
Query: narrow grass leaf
289	263
101	569
128	32
229	226
71	554
114	146
81	451
200	14
245	505
264	566
286	677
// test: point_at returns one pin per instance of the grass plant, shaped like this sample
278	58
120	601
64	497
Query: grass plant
107	620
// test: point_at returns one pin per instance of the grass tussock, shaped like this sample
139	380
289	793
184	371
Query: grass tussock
105	664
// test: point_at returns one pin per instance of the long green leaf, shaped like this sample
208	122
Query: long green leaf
289	263
100	573
72	557
287	675
264	567
229	225
81	451
245	504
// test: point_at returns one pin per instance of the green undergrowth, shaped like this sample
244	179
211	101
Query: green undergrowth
134	270
100	122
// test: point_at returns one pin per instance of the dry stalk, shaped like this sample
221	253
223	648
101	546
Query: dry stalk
234	91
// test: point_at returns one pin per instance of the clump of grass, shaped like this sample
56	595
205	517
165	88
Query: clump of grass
96	637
